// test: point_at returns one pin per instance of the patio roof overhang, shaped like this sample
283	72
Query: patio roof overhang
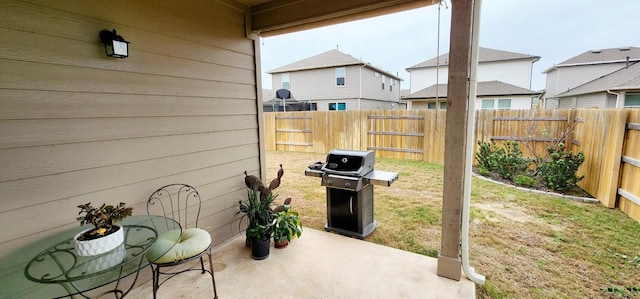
275	17
283	16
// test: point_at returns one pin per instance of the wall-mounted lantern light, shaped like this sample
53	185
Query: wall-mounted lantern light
114	44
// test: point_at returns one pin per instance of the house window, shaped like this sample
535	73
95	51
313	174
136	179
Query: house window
341	74
431	105
443	105
504	104
382	81
632	100
391	84
286	82
337	106
487	104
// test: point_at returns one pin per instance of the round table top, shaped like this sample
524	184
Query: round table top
50	268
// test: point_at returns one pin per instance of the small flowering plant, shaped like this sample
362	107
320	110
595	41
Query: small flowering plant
102	218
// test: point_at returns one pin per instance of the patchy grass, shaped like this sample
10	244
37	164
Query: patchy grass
528	245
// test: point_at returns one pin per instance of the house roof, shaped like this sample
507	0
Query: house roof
601	56
486	88
329	59
484	55
626	78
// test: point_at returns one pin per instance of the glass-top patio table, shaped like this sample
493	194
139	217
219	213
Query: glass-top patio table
50	268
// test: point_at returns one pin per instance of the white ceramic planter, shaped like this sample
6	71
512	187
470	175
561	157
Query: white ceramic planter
99	245
105	261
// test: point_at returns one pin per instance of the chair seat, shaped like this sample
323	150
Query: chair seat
191	242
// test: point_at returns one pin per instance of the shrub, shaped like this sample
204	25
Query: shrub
525	180
486	156
507	162
558	172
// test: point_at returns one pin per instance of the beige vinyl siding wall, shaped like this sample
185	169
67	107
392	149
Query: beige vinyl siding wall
78	127
372	87
517	101
320	85
593	100
514	72
570	77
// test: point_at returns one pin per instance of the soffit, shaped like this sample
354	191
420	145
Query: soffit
284	16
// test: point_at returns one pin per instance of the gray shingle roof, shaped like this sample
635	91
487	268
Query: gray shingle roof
484	55
622	79
605	55
487	88
329	59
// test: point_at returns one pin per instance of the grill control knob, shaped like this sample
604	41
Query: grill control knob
347	184
329	182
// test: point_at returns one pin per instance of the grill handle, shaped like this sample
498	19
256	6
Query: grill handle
351	204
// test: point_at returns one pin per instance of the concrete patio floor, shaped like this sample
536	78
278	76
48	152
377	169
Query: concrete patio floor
317	265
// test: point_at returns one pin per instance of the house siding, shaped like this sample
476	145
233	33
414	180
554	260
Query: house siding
78	127
319	85
514	72
593	100
562	79
517	102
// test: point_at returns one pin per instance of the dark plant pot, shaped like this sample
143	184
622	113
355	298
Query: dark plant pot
281	243
260	249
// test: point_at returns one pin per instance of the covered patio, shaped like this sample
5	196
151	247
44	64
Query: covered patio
79	126
317	265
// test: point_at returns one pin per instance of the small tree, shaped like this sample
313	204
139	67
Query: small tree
558	172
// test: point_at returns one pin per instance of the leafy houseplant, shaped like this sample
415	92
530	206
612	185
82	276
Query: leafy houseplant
287	226
105	235
259	216
103	219
257	208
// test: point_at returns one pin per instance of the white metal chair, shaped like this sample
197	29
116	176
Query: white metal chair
182	203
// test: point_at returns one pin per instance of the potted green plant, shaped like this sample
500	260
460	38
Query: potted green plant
105	235
287	226
257	210
256	207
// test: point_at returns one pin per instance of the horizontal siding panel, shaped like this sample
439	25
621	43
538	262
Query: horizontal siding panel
40	190
48	160
39	76
212	24
76	126
38	48
24	133
60	104
212	182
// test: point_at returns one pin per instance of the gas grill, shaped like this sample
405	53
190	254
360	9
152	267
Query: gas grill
349	177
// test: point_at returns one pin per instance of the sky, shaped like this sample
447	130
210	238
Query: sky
555	30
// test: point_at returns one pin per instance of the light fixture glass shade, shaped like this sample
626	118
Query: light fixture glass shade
114	44
121	49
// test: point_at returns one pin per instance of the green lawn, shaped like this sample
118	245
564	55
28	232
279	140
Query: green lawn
528	245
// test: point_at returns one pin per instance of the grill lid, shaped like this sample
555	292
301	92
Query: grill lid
348	162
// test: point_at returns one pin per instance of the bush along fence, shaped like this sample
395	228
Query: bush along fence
607	139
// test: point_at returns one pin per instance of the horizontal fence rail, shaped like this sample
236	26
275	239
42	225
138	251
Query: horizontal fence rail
609	138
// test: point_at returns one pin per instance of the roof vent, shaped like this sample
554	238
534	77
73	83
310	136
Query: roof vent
596	51
625	49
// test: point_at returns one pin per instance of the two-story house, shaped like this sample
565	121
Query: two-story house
608	78
504	81
334	80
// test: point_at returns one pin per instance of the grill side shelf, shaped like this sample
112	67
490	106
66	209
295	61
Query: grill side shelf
382	178
313	173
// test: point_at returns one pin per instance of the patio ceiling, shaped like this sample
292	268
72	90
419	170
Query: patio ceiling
283	16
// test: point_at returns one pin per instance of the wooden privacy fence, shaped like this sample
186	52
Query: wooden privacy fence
609	138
